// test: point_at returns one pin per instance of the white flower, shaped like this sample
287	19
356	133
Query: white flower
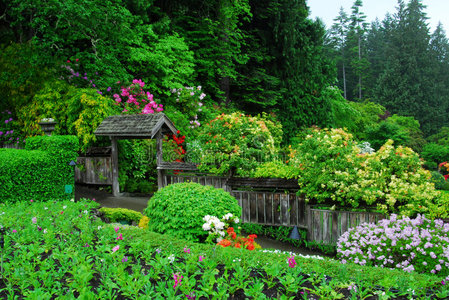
236	220
86	212
99	227
45	230
219	239
206	226
171	258
219	225
45	208
206	218
64	207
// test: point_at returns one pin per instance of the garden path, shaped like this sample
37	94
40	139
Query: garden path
139	203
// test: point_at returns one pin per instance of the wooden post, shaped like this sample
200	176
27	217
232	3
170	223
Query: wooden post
114	162
159	160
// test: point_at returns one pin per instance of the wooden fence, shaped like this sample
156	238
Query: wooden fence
274	202
326	226
264	201
94	170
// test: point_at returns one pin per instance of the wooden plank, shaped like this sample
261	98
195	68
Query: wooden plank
114	157
252	207
268	208
285	207
324	226
334	233
279	183
276	209
317	226
309	222
261	217
327	228
293	206
344	222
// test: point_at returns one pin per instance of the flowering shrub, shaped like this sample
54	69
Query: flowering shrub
419	245
189	100
134	99
9	134
236	142
216	227
173	149
330	168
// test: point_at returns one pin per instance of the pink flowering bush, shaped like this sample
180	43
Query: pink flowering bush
419	244
134	99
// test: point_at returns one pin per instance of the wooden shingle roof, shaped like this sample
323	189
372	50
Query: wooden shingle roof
135	126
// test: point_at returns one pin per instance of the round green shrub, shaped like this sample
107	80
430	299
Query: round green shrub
438	180
179	209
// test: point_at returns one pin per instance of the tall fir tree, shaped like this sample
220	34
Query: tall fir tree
337	40
301	67
405	85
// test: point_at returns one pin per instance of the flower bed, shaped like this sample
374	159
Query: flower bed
61	249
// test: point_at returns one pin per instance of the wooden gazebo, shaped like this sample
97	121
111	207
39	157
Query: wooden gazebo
135	127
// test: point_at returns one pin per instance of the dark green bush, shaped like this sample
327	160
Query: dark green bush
434	154
439	181
179	209
40	172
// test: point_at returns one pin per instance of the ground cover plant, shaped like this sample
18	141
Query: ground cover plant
60	249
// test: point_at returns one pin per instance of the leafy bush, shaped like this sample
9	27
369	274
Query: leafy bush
419	245
236	142
434	154
121	214
76	111
137	168
275	169
178	209
379	134
439	181
331	169
41	172
9	129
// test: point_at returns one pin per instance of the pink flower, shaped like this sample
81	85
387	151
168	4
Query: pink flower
201	258
124	259
86	245
177	279
291	262
116	229
14	231
31	200
120	237
34	220
115	248
187	250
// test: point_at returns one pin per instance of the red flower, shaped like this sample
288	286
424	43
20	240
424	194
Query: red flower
446	177
237	245
224	243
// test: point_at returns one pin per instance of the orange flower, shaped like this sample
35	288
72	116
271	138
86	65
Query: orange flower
224	243
237	245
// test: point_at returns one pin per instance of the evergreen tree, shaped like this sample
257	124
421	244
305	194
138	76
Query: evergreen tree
301	67
355	45
337	36
405	85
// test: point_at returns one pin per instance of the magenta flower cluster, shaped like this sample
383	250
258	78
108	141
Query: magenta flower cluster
135	99
419	244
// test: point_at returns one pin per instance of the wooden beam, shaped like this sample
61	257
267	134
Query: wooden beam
159	160
114	162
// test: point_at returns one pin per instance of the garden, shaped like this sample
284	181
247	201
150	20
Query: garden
251	100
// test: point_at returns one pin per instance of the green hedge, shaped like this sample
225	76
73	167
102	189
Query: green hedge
41	172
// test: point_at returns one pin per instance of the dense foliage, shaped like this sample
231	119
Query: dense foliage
40	172
331	168
236	143
397	62
178	209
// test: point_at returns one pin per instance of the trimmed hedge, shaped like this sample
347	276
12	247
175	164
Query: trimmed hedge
116	214
40	172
